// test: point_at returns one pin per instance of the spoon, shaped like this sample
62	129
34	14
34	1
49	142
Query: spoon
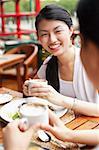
45	137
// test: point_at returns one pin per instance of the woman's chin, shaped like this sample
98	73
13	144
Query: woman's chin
58	53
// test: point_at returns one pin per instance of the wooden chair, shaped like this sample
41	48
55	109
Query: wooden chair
30	65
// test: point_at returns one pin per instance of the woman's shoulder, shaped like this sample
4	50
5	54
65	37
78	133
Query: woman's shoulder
42	70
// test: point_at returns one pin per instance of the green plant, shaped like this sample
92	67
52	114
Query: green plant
10	6
70	5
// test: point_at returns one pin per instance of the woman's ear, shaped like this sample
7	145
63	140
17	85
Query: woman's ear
71	31
38	39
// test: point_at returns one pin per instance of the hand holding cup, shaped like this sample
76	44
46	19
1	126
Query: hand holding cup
34	87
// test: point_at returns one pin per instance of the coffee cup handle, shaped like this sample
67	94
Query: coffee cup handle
23	121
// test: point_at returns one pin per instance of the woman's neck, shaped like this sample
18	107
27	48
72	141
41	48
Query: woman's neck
66	65
67	58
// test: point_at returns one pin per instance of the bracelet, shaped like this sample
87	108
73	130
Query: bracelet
73	104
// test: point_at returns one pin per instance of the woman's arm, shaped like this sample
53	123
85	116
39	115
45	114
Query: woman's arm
90	137
86	108
79	106
61	132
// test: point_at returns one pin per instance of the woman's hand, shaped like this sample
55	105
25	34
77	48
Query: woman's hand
17	136
56	127
43	91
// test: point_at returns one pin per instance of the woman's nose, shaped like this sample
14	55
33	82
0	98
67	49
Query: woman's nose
52	37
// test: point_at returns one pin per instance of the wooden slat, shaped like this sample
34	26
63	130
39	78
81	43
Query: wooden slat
87	125
97	127
1	141
76	123
96	119
68	117
1	138
0	133
9	91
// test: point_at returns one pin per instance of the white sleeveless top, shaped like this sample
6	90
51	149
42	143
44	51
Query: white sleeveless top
81	87
66	88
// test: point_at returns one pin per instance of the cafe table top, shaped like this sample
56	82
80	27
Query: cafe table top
72	121
7	60
10	60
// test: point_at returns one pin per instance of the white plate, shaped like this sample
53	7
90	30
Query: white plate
9	110
4	98
44	101
60	111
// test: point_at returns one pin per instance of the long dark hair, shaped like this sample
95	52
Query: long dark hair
88	16
53	12
52	73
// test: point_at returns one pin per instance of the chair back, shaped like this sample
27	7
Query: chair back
31	59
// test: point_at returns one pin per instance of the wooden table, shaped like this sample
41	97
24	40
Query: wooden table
76	123
10	60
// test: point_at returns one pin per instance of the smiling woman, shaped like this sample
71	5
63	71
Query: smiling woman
63	68
57	127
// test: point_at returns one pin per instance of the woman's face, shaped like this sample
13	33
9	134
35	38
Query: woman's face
54	36
90	59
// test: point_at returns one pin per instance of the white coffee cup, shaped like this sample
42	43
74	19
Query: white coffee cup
35	113
29	83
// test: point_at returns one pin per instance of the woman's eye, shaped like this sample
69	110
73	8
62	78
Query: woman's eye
44	34
58	31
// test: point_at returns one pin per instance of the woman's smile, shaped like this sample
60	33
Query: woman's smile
54	47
